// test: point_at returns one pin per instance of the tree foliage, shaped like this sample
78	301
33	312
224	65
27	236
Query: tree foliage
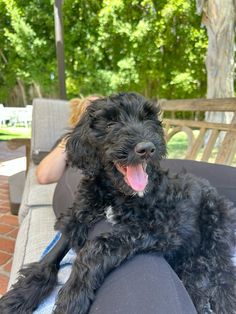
28	50
155	47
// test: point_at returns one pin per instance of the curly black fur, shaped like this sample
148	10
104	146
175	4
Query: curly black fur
29	289
179	215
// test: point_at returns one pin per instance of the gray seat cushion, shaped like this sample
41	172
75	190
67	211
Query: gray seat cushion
35	233
35	194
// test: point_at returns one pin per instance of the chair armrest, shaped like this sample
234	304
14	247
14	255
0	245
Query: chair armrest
18	142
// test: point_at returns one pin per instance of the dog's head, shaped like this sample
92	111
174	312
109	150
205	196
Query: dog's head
122	135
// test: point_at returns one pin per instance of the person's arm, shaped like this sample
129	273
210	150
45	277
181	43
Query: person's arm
52	166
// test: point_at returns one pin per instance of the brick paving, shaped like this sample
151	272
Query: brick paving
8	222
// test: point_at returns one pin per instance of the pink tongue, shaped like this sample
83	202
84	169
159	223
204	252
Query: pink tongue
136	177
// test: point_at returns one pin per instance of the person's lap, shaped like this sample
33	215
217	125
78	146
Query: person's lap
145	284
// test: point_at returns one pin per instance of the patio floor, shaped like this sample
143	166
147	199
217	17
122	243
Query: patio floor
11	162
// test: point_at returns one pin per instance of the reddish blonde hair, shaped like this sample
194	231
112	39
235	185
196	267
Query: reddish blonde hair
78	107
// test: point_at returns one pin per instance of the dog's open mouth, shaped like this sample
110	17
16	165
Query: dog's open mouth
135	176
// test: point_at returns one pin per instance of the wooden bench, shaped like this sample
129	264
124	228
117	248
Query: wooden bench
201	142
205	140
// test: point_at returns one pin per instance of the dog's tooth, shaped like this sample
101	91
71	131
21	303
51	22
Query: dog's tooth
144	166
140	194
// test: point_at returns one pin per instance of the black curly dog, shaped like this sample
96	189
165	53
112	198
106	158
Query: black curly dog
118	144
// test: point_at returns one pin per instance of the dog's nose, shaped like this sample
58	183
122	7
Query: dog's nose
145	149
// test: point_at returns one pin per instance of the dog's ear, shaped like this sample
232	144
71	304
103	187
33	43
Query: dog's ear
81	149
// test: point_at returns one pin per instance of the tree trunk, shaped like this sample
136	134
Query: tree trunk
37	89
22	90
219	18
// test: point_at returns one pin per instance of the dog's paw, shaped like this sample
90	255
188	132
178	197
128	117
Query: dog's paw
12	302
34	283
207	309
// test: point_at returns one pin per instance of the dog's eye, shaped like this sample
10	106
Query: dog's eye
109	125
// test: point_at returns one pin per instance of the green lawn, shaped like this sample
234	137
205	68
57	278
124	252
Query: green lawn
177	146
7	133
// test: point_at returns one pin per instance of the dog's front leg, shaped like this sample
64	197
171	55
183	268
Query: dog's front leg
95	260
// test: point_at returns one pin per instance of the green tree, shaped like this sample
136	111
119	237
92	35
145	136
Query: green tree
27	34
154	47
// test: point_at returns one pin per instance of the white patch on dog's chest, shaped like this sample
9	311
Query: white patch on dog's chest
140	194
110	215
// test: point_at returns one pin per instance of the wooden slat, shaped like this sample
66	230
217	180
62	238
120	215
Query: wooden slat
218	104
231	154
197	145
228	146
199	124
227	151
170	134
188	131
210	145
